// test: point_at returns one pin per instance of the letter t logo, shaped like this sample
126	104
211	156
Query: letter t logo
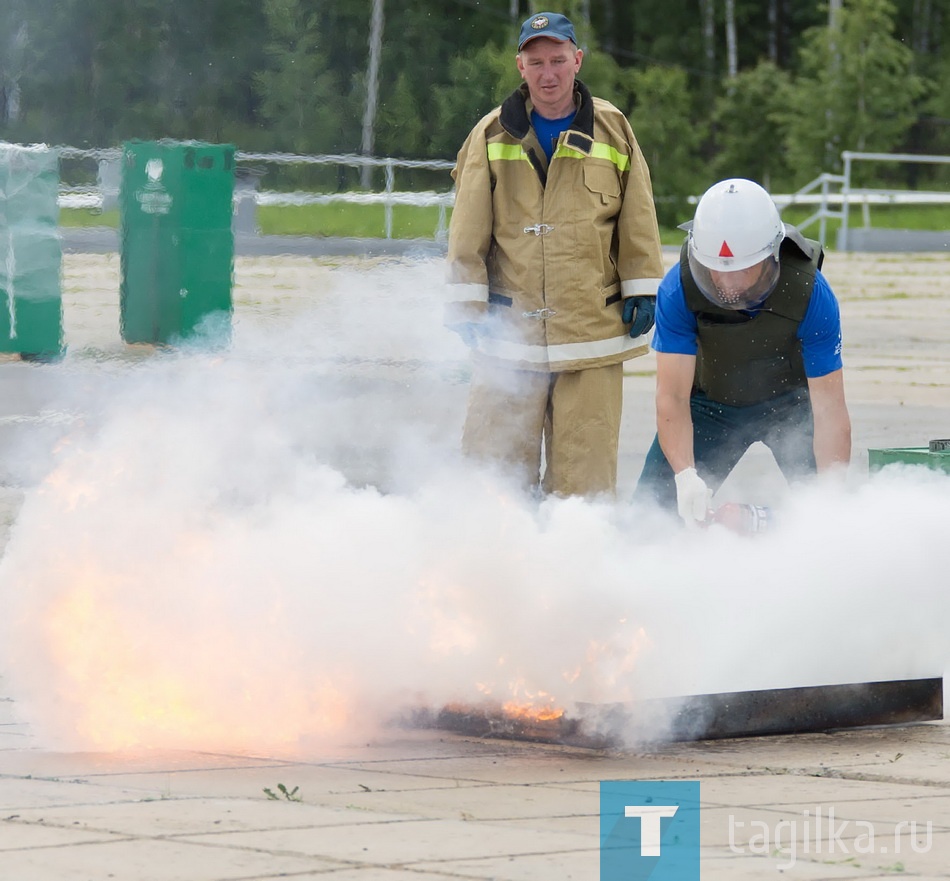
650	816
649	830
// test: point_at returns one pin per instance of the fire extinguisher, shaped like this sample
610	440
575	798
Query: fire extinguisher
741	518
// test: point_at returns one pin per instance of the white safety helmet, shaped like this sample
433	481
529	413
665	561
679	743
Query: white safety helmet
734	244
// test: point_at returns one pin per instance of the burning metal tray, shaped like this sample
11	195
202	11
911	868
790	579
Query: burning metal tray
705	717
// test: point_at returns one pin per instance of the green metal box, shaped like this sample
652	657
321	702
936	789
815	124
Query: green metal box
31	257
177	254
935	456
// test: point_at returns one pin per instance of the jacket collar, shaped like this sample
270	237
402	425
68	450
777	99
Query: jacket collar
516	120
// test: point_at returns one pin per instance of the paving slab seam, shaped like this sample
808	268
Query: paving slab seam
337	864
431	861
113	838
391	864
160	771
76	825
881	778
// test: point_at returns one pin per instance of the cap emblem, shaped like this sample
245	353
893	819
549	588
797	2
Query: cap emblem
540	22
726	251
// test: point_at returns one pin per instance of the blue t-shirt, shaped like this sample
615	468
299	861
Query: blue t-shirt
820	329
549	130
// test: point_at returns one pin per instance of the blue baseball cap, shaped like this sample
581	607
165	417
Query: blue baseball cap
547	24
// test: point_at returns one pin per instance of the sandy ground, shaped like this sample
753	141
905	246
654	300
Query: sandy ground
895	312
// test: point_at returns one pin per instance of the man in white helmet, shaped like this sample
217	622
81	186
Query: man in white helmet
748	343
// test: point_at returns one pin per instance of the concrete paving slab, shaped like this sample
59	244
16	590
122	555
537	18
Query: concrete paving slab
20	833
383	873
478	802
403	842
857	846
342	785
768	797
771	788
19	794
168	817
586	825
921	805
755	867
822	825
122	763
556	765
577	866
820	752
154	860
14	735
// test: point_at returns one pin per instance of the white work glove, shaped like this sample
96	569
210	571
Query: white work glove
693	497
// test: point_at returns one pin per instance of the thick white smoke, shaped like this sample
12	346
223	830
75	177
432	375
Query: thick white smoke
276	545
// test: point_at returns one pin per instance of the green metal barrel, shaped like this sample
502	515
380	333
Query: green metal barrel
31	257
177	253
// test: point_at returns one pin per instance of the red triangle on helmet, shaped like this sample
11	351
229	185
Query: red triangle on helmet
725	250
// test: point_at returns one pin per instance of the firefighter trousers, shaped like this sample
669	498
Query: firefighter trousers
572	417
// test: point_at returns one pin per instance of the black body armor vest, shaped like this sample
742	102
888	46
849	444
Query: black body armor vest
750	358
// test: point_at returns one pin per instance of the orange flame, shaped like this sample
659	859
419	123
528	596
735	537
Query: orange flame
125	684
532	712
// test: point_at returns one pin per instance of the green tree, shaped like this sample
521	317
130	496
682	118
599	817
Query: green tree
400	126
937	109
208	61
63	75
669	138
422	47
748	131
301	99
606	79
289	75
97	73
479	79
855	90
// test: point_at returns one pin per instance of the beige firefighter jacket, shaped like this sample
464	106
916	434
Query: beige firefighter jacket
540	256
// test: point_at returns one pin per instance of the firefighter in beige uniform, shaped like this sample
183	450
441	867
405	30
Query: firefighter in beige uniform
554	262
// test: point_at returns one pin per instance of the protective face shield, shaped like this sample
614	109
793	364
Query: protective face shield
734	244
739	289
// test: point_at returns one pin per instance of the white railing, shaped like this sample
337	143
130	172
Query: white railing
824	199
820	192
837	204
97	197
850	195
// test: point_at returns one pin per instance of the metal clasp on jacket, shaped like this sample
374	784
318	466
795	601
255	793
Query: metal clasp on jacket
540	229
541	314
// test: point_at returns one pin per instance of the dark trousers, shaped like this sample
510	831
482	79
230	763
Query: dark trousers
723	432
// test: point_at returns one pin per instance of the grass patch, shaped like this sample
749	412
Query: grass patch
82	217
922	217
358	221
409	222
342	219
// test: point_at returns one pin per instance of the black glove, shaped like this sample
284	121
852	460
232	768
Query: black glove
645	310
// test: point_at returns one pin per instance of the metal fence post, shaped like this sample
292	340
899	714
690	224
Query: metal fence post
390	186
845	208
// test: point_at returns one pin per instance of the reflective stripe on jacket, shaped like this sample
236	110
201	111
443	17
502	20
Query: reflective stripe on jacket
540	256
